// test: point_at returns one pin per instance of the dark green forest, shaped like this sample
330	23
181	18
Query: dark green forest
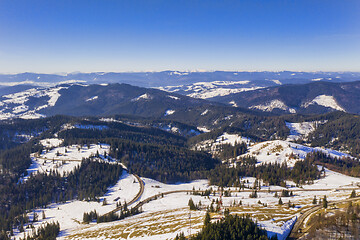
272	174
232	227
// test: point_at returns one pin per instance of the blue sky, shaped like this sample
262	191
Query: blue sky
65	36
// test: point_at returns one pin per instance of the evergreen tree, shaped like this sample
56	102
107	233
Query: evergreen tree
231	227
353	194
191	204
180	236
207	219
314	200
325	202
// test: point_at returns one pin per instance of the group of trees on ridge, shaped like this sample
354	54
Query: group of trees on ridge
271	173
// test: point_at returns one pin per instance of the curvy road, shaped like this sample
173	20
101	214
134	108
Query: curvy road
296	234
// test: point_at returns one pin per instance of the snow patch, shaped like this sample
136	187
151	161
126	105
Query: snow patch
169	112
51	142
173	97
326	101
281	232
219	92
203	129
276	81
302	129
233	103
270	106
212	89
145	96
92	98
205	112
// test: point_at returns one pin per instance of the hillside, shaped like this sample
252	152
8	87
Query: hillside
93	100
316	97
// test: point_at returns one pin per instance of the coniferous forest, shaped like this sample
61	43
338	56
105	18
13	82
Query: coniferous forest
148	151
232	227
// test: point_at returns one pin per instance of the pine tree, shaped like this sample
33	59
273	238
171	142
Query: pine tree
325	202
207	219
314	200
280	201
191	204
180	236
35	218
353	194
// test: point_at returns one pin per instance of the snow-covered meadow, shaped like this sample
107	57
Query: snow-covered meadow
64	159
167	216
226	138
279	151
70	214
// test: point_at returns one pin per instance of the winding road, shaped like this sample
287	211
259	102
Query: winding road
136	198
298	231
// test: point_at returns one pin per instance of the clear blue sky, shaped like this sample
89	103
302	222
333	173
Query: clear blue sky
107	35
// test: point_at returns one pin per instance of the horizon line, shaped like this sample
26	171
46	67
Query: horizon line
180	71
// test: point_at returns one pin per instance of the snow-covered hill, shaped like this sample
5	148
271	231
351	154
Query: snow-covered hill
207	90
226	138
326	101
90	100
279	151
311	98
274	104
27	104
64	159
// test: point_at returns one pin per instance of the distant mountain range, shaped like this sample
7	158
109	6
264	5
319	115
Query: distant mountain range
177	78
211	100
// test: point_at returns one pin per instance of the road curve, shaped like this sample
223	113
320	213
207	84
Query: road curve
295	234
136	198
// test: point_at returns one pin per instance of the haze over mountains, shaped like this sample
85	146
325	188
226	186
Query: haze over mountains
176	78
28	95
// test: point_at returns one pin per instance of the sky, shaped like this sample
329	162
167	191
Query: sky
53	36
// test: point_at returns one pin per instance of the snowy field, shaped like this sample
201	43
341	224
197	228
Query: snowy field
274	104
206	90
15	105
302	129
51	142
279	151
165	217
64	158
325	101
225	138
70	214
